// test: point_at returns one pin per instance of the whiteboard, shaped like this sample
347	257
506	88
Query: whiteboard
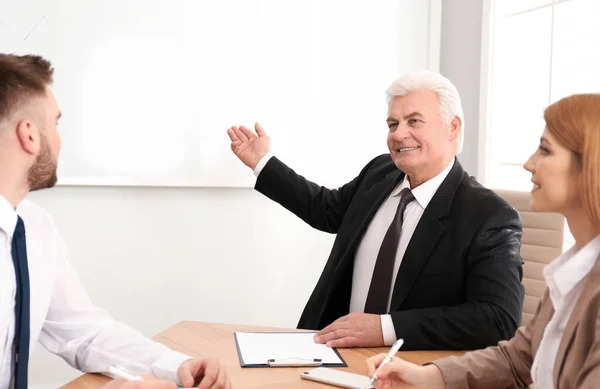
148	88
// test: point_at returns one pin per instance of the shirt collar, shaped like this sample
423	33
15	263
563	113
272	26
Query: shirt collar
566	271
424	192
8	217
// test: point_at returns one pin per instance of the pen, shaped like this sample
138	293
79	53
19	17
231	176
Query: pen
387	358
126	376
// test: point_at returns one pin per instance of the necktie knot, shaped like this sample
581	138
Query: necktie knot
19	228
406	196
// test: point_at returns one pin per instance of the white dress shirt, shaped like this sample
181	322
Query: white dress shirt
565	277
368	249
62	316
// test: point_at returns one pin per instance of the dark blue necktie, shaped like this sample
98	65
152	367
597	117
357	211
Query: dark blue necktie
21	341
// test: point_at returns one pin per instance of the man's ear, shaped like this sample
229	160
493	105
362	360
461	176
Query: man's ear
29	136
455	128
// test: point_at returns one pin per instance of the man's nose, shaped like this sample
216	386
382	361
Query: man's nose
401	133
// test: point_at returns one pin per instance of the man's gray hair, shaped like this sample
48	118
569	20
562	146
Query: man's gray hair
449	104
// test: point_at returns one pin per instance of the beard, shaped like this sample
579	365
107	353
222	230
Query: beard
42	174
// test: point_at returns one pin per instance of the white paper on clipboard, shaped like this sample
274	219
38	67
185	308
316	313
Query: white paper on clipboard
256	348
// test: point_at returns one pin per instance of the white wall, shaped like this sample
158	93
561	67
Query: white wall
460	61
155	256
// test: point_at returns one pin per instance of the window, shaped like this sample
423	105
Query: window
538	51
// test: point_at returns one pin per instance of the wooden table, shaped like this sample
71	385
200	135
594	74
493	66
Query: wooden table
200	339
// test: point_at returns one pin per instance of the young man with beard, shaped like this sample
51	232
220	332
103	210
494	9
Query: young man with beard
41	297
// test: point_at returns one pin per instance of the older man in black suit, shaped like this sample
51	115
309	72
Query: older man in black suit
423	252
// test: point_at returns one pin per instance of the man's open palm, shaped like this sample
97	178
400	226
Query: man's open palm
248	146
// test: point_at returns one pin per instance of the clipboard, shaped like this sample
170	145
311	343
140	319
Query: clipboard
284	349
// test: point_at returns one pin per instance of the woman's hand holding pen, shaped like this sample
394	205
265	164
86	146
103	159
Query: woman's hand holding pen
400	374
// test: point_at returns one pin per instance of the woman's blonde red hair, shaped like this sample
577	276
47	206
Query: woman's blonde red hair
575	122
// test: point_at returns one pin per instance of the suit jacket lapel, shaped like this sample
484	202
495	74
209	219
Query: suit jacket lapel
374	196
429	230
569	334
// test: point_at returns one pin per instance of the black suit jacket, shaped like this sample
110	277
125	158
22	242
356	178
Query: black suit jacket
459	284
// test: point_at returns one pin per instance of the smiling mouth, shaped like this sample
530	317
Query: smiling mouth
405	149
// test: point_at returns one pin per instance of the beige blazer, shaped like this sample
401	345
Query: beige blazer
508	365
